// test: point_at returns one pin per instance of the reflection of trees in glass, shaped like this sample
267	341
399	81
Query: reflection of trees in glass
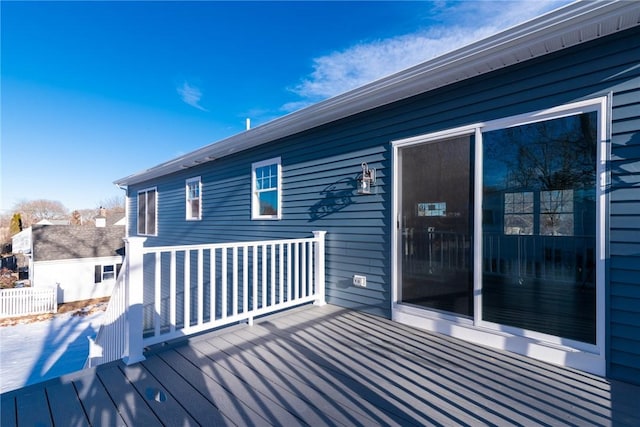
556	213
544	163
551	155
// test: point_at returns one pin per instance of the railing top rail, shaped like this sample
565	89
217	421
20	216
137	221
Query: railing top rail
154	249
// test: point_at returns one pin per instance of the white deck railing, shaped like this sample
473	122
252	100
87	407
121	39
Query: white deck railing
169	292
26	301
109	343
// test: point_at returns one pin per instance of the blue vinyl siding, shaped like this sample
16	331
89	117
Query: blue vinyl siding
320	166
624	272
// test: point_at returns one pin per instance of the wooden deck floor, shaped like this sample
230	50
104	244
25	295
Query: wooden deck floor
324	366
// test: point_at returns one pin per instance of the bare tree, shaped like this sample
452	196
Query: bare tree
114	206
33	211
113	203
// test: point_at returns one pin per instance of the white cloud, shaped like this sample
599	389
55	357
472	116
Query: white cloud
191	95
357	65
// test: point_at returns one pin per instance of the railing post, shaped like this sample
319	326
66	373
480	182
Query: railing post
319	267
134	291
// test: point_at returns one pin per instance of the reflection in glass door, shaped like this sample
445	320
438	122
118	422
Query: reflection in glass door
539	225
436	206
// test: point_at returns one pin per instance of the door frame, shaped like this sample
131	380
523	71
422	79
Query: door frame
586	357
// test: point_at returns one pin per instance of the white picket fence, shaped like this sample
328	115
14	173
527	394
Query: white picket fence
169	292
26	301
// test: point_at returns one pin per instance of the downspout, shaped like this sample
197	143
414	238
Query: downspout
126	208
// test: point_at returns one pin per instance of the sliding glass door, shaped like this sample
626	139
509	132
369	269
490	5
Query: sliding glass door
436	221
539	227
500	226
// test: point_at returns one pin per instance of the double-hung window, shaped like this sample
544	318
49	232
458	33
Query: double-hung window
147	218
194	199
266	189
105	273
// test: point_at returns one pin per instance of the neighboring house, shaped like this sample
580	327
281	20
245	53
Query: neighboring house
53	222
503	208
82	262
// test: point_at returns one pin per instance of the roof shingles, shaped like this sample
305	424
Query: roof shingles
57	242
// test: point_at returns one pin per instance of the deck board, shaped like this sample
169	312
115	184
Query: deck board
459	384
237	411
286	397
368	394
325	366
380	382
261	403
312	381
281	375
96	401
8	411
68	410
202	410
363	357
127	395
33	408
518	380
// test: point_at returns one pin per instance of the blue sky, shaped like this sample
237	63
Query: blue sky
92	92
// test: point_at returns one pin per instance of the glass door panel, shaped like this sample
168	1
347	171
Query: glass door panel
539	225
436	226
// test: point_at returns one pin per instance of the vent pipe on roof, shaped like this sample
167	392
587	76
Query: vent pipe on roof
248	123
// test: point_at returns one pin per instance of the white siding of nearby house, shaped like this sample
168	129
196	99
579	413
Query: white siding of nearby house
75	278
21	242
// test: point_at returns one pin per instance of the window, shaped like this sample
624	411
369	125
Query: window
147	218
265	179
432	209
518	213
556	213
193	197
106	272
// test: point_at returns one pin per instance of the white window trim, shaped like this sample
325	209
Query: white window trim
104	279
582	356
146	190
255	201
187	205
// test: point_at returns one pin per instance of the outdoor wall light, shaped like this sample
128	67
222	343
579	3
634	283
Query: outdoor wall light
366	180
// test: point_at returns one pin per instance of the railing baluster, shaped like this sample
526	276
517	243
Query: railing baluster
303	270
223	295
245	278
212	280
272	284
157	295
281	273
187	288
263	282
172	292
310	270
200	287
254	288
296	271
289	282
234	288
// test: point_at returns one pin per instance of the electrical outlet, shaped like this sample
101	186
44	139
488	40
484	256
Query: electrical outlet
360	281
